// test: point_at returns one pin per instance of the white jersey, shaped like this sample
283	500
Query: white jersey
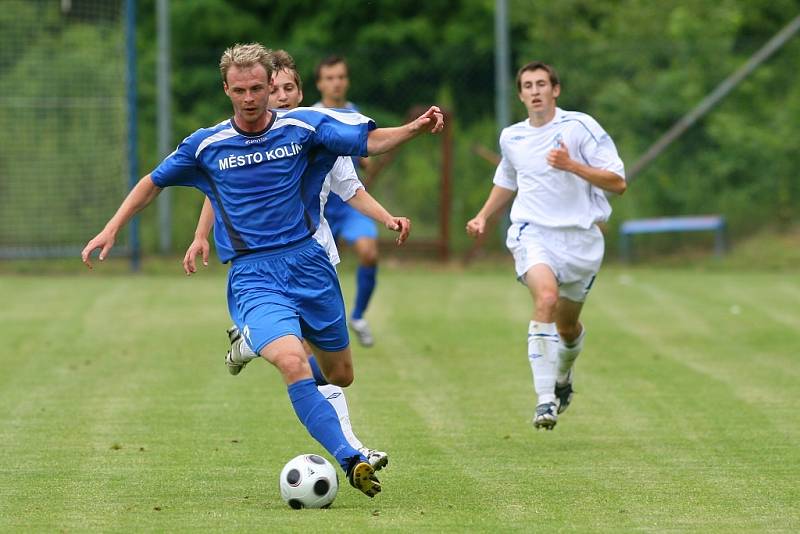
343	181
547	196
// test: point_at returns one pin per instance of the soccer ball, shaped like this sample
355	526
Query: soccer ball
308	481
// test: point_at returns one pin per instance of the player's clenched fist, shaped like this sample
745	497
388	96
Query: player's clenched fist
476	226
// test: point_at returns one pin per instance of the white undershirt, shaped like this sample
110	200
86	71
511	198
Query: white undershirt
343	181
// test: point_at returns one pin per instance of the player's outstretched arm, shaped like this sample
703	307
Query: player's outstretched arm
140	196
385	139
200	244
498	197
366	204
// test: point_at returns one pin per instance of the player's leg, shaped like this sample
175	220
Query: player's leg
273	327
317	414
287	354
266	308
337	398
362	233
543	342
366	277
571	334
323	324
240	354
335	395
337	368
585	255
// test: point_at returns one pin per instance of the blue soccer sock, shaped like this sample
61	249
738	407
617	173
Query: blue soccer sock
365	285
320	420
319	378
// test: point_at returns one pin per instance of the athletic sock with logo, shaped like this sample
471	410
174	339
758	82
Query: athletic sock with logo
335	396
543	355
319	418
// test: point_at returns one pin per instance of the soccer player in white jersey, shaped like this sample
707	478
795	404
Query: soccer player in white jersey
287	93
348	224
281	285
561	165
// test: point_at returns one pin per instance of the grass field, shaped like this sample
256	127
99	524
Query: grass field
117	414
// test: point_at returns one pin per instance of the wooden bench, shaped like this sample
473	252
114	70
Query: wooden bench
699	223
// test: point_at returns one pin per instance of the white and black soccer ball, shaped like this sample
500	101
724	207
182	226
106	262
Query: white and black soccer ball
308	481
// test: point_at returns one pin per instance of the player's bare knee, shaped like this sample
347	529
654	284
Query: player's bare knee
369	260
546	301
292	366
340	375
367	250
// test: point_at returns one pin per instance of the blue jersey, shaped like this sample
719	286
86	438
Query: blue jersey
259	183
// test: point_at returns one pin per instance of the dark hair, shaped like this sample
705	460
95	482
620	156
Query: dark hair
537	65
282	60
328	62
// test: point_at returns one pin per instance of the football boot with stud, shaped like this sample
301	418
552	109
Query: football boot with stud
546	416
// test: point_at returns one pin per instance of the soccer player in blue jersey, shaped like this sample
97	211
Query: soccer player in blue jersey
347	224
558	166
286	94
281	285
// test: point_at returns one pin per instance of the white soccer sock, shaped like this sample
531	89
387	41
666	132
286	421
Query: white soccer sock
567	354
543	356
335	396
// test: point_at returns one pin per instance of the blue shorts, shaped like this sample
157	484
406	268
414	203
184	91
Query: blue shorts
290	291
348	223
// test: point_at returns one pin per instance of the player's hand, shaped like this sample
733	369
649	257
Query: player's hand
559	157
104	241
199	246
476	227
433	119
401	225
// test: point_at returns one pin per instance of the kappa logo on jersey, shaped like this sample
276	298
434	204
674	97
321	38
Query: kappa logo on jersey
243	160
254	141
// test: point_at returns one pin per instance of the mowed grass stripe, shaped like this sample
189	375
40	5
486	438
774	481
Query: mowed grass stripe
517	472
736	338
673	426
432	451
705	412
57	395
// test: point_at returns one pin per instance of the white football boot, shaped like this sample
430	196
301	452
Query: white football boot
546	416
360	328
377	459
234	360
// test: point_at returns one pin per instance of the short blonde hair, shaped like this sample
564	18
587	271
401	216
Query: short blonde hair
245	56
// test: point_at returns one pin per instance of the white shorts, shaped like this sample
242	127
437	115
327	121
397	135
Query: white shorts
573	254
